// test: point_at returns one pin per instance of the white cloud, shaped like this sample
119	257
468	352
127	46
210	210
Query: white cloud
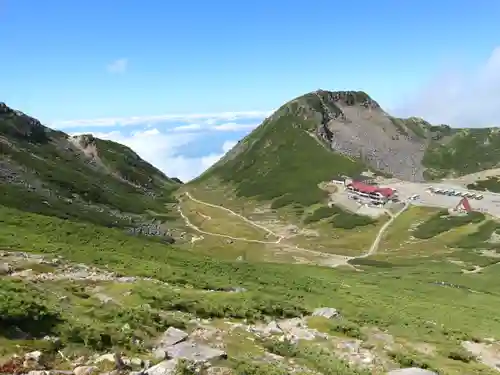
233	126
118	66
228	145
164	151
189	127
207	118
225	127
461	98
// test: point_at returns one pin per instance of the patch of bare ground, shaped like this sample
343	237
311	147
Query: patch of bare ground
476	269
341	198
423	348
487	353
471	178
494	238
490	253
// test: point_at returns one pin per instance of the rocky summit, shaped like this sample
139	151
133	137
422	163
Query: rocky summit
329	241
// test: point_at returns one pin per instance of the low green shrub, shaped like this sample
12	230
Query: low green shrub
322	212
347	220
283	348
23	308
443	222
405	359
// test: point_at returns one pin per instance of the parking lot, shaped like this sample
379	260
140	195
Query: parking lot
489	204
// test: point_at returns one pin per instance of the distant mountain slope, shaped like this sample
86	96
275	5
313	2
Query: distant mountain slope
323	134
82	177
468	151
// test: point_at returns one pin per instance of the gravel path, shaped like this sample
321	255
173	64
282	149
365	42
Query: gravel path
340	259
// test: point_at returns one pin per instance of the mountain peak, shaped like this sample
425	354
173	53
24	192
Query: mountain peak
17	124
349	98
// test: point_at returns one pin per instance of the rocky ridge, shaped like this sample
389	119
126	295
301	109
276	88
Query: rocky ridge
355	125
47	171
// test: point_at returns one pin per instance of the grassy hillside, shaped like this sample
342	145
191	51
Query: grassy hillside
83	178
468	151
423	312
282	161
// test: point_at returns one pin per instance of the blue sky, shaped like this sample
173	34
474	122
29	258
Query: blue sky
182	81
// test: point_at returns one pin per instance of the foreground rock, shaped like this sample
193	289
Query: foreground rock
171	337
163	368
194	352
411	371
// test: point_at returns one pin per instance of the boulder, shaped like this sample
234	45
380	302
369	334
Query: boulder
163	368
411	371
110	357
194	352
85	370
33	356
326	312
5	269
171	337
272	328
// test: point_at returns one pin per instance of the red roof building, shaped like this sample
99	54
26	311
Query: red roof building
371	189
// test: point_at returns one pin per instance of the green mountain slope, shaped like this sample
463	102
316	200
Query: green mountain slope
323	135
468	151
284	159
49	172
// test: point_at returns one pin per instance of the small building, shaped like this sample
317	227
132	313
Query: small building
463	205
373	192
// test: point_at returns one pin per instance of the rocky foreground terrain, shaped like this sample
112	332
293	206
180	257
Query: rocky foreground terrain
206	346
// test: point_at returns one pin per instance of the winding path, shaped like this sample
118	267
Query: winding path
372	250
374	247
191	225
235	214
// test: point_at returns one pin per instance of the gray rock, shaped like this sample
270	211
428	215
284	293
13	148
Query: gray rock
5	269
272	328
85	370
171	337
35	372
197	353
411	371
326	312
24	273
159	354
163	368
103	298
237	290
136	362
110	357
35	356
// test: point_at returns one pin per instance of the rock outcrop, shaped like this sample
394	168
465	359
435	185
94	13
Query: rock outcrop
355	125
